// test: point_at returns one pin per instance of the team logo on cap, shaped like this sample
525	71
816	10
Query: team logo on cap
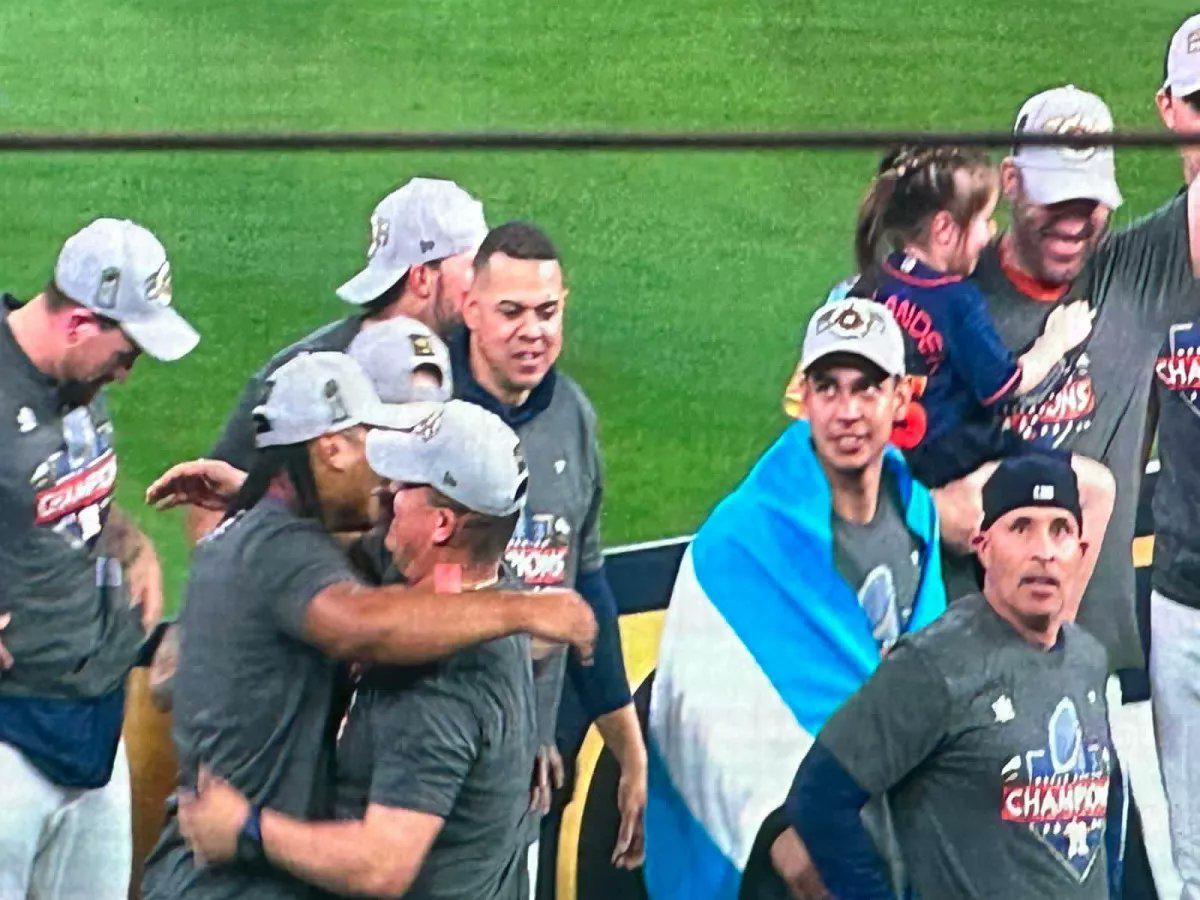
1193	42
421	345
158	286
427	428
849	321
1074	125
380	232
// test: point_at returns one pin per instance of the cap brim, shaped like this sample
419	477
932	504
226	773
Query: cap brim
393	416
1183	87
369	284
850	347
166	335
1046	186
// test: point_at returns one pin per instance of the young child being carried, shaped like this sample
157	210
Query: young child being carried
925	220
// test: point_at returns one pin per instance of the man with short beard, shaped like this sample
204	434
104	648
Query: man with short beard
71	564
1138	281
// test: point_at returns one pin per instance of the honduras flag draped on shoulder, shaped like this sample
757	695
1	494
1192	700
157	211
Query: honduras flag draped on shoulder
763	641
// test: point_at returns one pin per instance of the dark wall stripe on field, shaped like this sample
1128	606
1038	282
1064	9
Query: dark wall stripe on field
563	140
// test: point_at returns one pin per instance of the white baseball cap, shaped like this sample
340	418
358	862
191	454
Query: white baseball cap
119	270
1182	66
461	450
1054	174
391	352
321	393
858	326
424	220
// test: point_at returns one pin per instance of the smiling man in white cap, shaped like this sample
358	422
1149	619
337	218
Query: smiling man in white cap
433	766
272	602
1138	282
423	238
71	564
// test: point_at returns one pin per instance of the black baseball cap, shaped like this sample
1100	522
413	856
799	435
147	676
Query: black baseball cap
1031	479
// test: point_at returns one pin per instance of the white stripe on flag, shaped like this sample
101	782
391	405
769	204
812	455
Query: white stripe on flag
728	740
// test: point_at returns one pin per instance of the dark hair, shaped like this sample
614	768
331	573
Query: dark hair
520	240
289	459
483	537
914	184
57	302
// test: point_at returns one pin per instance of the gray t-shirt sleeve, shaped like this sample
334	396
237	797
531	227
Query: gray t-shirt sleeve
236	443
290	564
1149	267
591	548
426	740
892	722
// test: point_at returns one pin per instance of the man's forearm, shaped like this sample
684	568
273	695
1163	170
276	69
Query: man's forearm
121	539
960	508
400	625
623	736
335	855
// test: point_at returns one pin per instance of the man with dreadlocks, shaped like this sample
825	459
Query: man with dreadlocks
272	602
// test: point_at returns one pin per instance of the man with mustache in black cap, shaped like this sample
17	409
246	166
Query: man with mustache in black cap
987	730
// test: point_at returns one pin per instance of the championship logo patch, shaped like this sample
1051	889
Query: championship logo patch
1060	791
1179	367
73	487
427	428
1067	409
538	551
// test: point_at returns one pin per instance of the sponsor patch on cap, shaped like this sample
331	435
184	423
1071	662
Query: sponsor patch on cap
1043	492
421	345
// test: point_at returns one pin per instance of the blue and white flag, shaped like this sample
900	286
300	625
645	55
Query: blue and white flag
763	640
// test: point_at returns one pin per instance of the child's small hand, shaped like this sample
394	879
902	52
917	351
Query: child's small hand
1069	326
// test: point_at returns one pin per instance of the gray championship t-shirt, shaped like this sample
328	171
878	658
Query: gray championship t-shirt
236	443
995	756
252	699
455	740
881	561
1138	282
558	532
72	634
1177	493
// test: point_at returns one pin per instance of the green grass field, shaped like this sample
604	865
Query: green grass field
691	273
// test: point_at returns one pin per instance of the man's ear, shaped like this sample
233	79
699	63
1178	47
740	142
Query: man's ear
471	311
335	451
420	280
1166	108
79	324
1010	179
445	521
979	543
795	395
